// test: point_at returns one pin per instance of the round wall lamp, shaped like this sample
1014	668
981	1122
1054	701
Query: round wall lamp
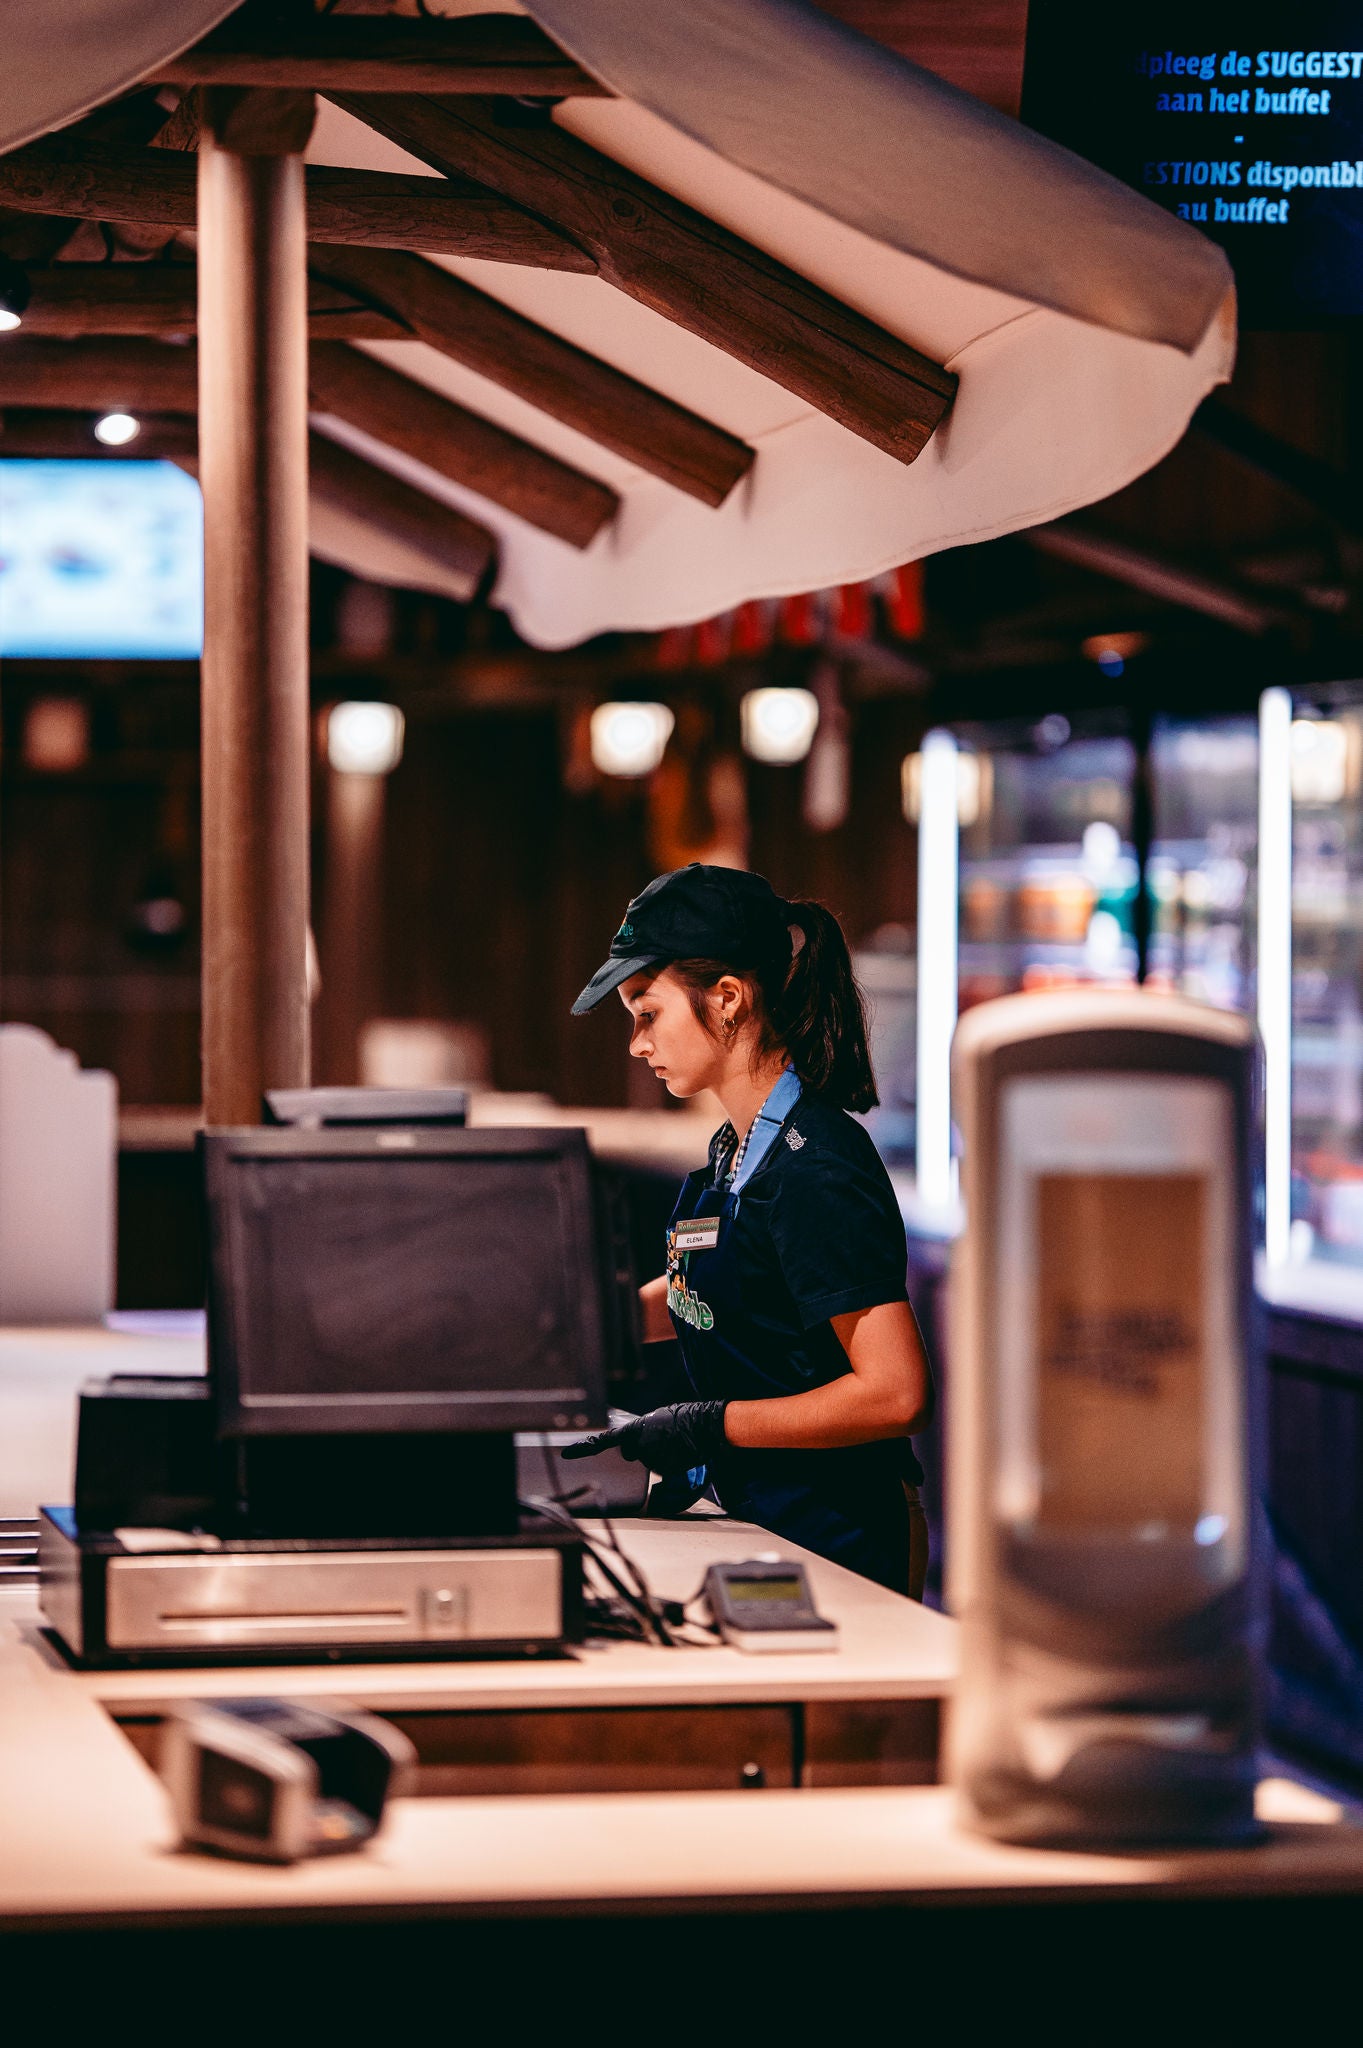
364	738
778	725
629	739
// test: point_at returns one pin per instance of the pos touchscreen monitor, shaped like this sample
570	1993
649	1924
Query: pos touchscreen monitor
377	1281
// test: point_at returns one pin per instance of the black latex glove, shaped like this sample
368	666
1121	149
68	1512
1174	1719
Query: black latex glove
667	1440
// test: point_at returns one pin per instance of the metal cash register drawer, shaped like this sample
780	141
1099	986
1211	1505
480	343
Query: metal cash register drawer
230	1602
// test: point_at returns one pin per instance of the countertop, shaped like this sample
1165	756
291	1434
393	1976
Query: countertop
86	1838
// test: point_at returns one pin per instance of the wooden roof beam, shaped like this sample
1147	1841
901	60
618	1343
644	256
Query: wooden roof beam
382	209
681	264
492	53
153	377
75	299
1157	575
44	432
452	541
82	376
470	450
564	381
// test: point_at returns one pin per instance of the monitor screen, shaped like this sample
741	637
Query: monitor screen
1243	117
405	1280
99	559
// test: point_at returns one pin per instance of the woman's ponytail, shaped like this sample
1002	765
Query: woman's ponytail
817	1013
807	1004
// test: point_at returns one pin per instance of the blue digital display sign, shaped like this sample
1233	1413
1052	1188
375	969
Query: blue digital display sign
100	558
1243	118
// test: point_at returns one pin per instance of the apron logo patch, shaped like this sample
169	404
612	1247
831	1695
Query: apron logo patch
688	1307
794	1140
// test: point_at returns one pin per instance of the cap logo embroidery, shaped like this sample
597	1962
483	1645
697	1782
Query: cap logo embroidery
626	932
794	1140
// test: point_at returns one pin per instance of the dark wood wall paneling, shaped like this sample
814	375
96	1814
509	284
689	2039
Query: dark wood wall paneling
78	852
501	889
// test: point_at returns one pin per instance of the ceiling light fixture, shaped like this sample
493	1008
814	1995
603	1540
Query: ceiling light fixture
116	429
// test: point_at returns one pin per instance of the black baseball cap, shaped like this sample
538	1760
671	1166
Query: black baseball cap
694	913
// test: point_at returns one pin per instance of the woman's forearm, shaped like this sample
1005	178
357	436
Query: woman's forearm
845	1411
887	1393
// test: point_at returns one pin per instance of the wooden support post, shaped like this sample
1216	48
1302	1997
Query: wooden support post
253	455
351	921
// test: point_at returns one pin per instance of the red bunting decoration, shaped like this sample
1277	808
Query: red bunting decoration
801	620
903	589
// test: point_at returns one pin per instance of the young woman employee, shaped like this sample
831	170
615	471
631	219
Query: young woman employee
786	1259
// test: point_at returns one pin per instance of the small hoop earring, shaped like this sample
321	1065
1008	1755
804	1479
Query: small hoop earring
729	1027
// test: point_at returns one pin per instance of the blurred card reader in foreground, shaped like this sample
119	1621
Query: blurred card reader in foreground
276	1780
388	1308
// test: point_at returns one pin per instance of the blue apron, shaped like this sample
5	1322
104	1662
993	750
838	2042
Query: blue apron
848	1505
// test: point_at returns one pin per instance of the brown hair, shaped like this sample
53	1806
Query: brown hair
808	1007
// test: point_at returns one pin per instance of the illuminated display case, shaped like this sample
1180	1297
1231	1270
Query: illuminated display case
1327	984
1048	871
1029	879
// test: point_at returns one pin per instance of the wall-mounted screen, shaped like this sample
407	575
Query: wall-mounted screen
100	558
1244	117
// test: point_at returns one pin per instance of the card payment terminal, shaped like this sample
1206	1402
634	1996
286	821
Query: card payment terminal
765	1604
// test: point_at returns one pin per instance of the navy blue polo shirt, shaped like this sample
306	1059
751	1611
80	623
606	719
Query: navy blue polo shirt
815	1232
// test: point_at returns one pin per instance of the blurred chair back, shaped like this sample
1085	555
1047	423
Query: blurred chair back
58	1158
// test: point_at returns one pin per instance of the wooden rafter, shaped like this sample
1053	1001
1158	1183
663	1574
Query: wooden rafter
74	299
580	390
494	53
61	431
382	209
452	541
470	450
144	376
683	265
396	411
1158	575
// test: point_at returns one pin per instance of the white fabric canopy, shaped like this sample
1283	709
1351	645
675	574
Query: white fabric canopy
60	58
1084	324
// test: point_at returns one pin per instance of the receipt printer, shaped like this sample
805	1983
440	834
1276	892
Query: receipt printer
1103	1422
276	1780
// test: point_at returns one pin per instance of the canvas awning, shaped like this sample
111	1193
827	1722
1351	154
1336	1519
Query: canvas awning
1060	329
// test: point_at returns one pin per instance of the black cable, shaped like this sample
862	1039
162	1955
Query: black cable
565	1520
554	1512
630	1565
636	1571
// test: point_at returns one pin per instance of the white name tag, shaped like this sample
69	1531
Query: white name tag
698	1234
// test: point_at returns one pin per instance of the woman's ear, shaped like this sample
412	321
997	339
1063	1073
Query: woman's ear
732	1001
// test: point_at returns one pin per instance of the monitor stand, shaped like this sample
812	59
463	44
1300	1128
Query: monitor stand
390	1486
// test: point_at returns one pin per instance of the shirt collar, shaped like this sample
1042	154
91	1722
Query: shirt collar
725	1142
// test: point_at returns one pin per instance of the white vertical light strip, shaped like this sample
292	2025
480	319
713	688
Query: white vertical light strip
938	853
1275	965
